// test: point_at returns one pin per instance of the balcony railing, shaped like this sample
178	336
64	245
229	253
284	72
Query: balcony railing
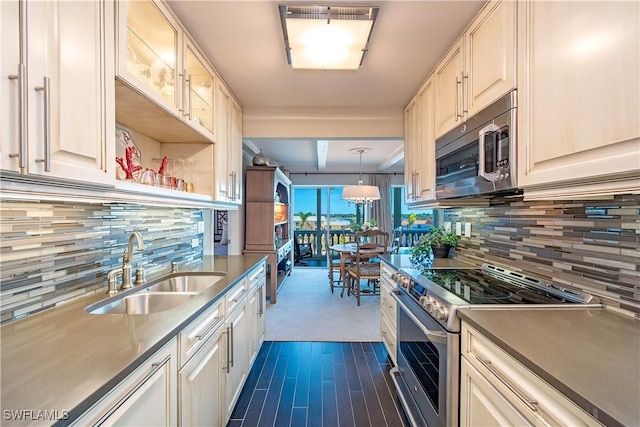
318	240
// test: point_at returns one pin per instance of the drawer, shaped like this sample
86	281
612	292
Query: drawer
533	396
387	303
196	333
257	276
236	295
388	335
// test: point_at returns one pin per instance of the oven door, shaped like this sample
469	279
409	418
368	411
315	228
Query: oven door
428	366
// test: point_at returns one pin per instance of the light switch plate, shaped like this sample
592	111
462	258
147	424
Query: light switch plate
447	226
195	243
467	229
458	229
200	226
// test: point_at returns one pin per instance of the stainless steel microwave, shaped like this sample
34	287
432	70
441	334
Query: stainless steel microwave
479	157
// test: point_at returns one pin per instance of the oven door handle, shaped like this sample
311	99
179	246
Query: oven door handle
489	176
434	336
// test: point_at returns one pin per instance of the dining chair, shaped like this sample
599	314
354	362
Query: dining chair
365	264
334	264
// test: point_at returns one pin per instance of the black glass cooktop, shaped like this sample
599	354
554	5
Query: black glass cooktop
481	287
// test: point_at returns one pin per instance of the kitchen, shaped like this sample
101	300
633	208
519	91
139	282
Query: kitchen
577	225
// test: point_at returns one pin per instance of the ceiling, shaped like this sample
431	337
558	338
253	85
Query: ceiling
244	42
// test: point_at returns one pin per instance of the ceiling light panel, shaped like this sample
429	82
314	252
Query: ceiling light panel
326	38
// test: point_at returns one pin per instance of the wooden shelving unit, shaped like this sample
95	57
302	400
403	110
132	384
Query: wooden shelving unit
268	222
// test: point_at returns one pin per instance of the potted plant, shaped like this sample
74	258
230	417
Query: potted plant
441	241
435	243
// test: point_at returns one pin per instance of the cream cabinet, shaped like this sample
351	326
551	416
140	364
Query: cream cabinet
55	87
237	366
496	389
579	98
165	87
147	397
388	309
420	146
201	381
479	68
256	317
228	148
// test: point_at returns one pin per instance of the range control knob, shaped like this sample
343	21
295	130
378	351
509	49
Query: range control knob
442	313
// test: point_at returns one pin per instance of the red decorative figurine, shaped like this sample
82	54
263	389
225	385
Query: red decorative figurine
129	168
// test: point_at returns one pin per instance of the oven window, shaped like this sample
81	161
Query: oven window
422	357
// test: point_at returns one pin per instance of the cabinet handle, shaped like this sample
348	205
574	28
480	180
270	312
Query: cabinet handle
232	355
45	88
529	402
465	99
228	349
22	115
235	300
188	85
458	83
261	312
206	332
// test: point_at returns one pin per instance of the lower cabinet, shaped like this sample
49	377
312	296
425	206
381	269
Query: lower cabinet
196	378
388	313
496	389
237	365
201	380
147	397
256	313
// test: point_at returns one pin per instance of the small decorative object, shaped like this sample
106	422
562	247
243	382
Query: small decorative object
367	225
163	166
130	167
126	149
260	159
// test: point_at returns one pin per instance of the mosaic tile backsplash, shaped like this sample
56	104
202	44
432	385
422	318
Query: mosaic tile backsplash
54	252
589	245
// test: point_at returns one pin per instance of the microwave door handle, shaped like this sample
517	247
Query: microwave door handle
489	176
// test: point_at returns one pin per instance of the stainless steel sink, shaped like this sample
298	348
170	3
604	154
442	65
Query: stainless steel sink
142	303
186	282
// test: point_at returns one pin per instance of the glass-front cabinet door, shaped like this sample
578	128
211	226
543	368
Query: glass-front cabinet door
148	39
199	85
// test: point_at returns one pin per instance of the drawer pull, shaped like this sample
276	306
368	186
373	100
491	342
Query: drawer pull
529	402
206	332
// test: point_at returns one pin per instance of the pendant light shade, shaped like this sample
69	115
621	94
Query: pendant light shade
360	194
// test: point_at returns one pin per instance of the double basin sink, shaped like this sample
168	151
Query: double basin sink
162	294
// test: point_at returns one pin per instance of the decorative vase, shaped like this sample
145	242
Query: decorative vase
260	159
440	251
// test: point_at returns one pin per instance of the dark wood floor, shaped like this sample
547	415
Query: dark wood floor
318	384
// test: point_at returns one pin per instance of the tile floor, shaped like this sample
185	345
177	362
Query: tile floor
319	384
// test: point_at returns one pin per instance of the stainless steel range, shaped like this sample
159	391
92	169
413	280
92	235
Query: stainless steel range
427	376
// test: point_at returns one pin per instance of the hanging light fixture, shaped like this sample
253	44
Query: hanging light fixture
360	194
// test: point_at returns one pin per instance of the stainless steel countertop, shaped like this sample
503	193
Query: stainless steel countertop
590	356
65	359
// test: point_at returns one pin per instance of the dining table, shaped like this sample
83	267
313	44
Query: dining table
347	249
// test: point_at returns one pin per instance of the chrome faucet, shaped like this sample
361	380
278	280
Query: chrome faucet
126	259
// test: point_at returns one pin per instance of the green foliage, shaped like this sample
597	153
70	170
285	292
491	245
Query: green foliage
438	236
304	216
421	253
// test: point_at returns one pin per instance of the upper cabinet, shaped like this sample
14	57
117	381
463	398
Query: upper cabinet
228	148
54	86
156	60
479	68
419	146
579	98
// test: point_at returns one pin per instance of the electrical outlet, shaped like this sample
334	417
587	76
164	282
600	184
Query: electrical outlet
200	226
447	226
467	229
458	229
195	243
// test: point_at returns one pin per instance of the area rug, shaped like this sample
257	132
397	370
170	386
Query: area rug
306	310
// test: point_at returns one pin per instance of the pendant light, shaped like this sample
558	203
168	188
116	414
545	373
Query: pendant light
360	194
